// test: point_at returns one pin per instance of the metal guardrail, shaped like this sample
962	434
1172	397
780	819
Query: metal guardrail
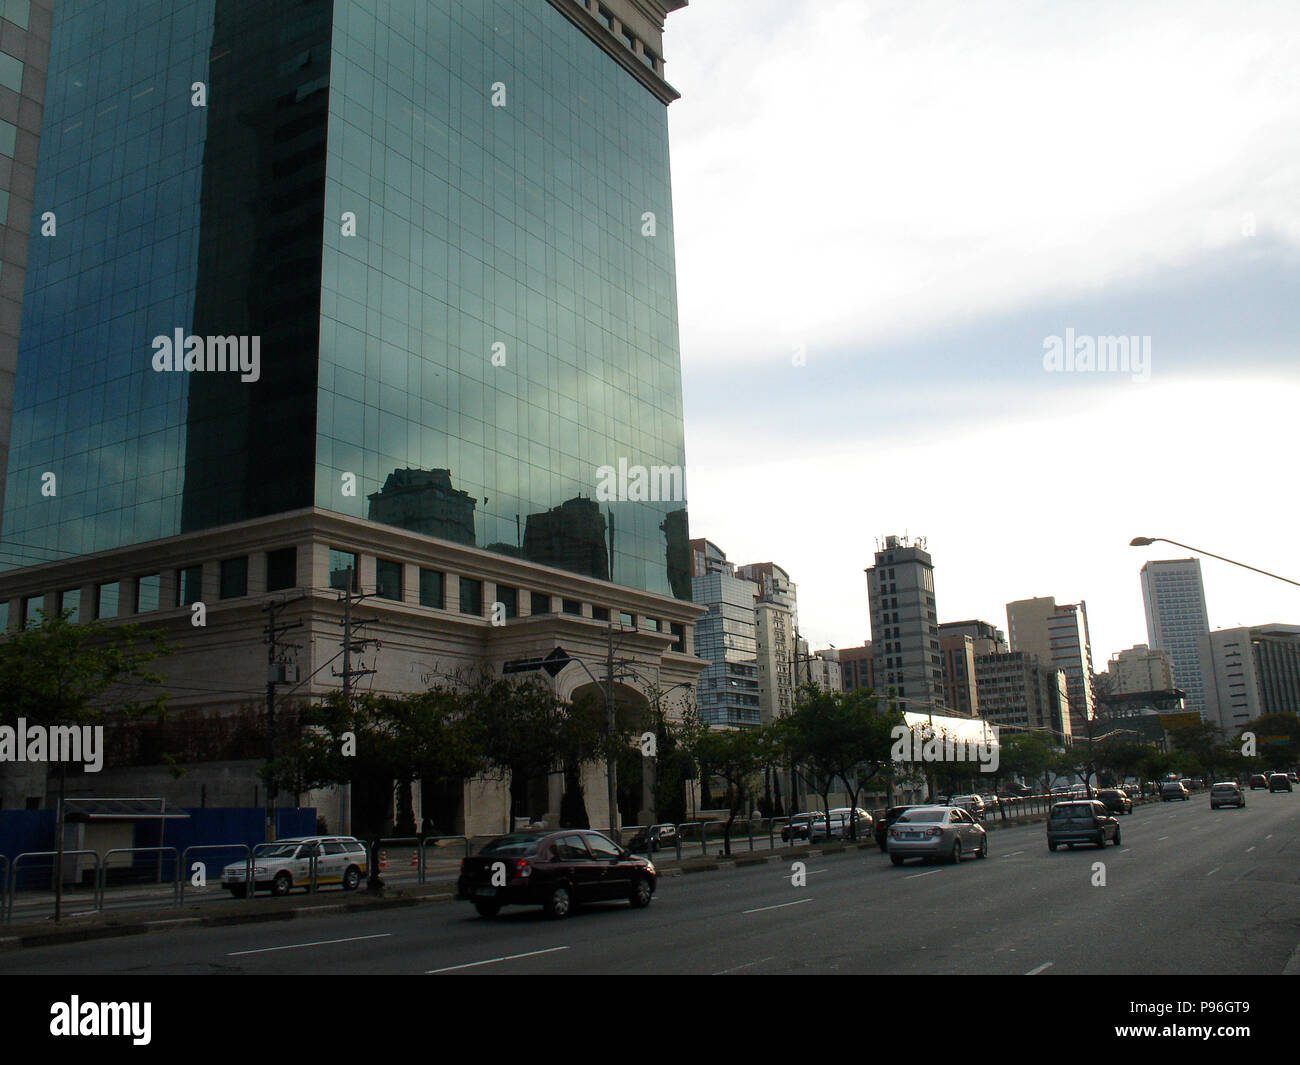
248	864
13	868
4	887
423	864
102	870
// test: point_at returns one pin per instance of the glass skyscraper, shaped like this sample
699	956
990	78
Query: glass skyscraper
1178	623
410	261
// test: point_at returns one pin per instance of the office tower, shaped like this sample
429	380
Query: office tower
905	625
1018	691
1177	621
1251	671
1058	635
342	285
24	60
988	638
959	674
1140	669
821	668
726	637
857	667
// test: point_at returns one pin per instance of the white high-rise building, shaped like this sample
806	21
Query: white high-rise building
1178	623
1058	634
905	625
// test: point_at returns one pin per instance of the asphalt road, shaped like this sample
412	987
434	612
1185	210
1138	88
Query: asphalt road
1190	891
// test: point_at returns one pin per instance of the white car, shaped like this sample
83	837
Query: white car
972	804
286	864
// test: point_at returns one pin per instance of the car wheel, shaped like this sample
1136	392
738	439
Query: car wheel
1069	846
487	909
955	856
281	885
642	892
983	852
559	903
897	859
239	890
1051	844
1116	838
352	878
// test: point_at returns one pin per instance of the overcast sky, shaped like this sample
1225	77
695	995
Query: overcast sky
883	213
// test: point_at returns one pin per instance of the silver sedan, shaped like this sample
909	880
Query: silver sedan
947	832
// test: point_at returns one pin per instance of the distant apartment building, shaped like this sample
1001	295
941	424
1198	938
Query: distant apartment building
1178	622
987	637
959	674
823	669
1252	671
857	667
1140	669
1058	634
905	625
774	636
1017	691
727	693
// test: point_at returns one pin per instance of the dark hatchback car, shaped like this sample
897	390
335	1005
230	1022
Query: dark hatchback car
885	822
555	870
1082	821
655	838
1115	799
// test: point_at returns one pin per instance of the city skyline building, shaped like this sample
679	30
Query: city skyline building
218	398
1140	669
1253	670
1017	690
905	624
728	693
1058	634
1173	596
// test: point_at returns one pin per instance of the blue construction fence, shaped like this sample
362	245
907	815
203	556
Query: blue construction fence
25	831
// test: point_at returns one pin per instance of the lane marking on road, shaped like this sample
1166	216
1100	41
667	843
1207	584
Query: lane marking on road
930	873
1269	836
1012	854
747	965
1040	968
1162	837
1213	871
317	943
1249	849
493	961
778	906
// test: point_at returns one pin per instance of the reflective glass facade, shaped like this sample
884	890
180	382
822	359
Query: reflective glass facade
486	319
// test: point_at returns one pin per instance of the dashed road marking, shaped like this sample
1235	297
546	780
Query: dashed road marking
778	906
1038	969
747	965
930	873
317	943
493	961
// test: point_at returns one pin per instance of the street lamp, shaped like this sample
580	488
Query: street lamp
1147	541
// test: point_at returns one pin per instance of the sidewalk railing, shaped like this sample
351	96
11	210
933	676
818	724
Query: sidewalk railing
248	865
102	870
13	869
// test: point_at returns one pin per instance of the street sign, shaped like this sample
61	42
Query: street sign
552	663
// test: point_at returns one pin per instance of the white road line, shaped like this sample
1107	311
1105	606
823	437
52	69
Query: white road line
1269	836
1012	854
1040	968
930	873
317	943
1162	837
1213	871
1249	849
747	965
779	906
493	961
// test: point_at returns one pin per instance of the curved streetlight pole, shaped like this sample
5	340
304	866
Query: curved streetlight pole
1147	541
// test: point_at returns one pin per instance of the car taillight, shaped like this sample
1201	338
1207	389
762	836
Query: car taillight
464	866
522	868
893	833
936	832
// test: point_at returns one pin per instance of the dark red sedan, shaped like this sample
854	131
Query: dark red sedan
555	870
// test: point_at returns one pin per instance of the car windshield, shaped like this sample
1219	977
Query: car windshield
518	846
1225	787
1072	810
931	815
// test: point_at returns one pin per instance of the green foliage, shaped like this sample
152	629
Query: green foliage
61	673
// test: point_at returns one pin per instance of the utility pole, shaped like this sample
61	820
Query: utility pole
273	632
349	644
612	774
